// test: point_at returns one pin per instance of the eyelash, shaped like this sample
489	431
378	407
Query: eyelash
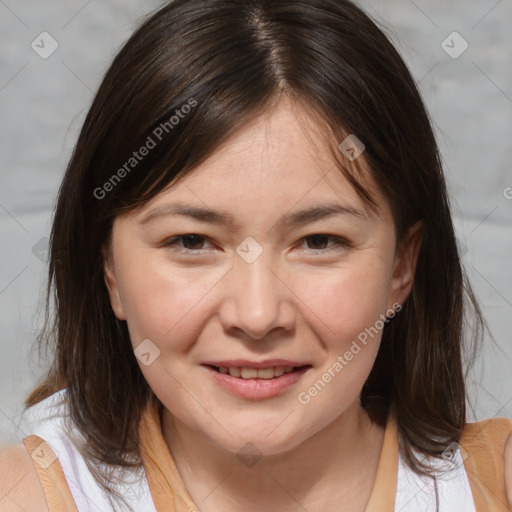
172	242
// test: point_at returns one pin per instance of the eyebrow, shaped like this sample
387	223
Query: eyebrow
294	219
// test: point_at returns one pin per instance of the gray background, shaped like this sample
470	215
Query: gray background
44	101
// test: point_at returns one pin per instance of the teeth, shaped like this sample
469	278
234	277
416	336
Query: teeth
248	373
254	373
234	372
278	371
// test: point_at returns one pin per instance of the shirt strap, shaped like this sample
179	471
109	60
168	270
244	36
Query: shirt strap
382	498
484	443
55	486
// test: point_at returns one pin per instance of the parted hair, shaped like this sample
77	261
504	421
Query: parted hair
231	60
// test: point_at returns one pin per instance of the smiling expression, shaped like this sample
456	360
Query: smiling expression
287	263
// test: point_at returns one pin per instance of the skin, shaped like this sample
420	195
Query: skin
300	300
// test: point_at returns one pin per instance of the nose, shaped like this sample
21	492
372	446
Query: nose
257	300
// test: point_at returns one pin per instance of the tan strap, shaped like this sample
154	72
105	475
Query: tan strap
55	486
165	484
382	498
484	442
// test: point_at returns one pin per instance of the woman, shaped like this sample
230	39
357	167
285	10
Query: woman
259	299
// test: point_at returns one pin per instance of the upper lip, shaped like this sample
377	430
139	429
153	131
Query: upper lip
245	363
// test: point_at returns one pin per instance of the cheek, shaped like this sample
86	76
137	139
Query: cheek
348	323
345	301
162	302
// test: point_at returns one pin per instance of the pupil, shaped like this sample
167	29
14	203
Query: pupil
194	238
316	239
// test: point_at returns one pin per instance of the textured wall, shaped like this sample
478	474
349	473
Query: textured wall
44	100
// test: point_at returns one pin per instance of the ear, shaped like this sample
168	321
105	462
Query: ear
111	283
405	265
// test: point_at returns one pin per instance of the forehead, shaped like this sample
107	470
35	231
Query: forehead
282	144
278	161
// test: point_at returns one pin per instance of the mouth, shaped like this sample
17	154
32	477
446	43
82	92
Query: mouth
268	373
258	381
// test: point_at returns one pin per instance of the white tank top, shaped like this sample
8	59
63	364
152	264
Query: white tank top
415	493
47	420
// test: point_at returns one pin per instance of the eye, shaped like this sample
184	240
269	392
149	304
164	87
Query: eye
319	241
189	241
192	242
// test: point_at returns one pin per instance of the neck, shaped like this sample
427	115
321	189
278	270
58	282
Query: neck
333	469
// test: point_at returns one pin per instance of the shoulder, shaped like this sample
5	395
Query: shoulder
20	488
488	444
493	434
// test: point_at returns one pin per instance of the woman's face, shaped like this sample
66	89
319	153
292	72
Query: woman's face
261	280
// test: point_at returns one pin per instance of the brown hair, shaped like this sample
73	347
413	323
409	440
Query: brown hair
231	60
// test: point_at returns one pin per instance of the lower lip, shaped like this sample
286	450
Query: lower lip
257	388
